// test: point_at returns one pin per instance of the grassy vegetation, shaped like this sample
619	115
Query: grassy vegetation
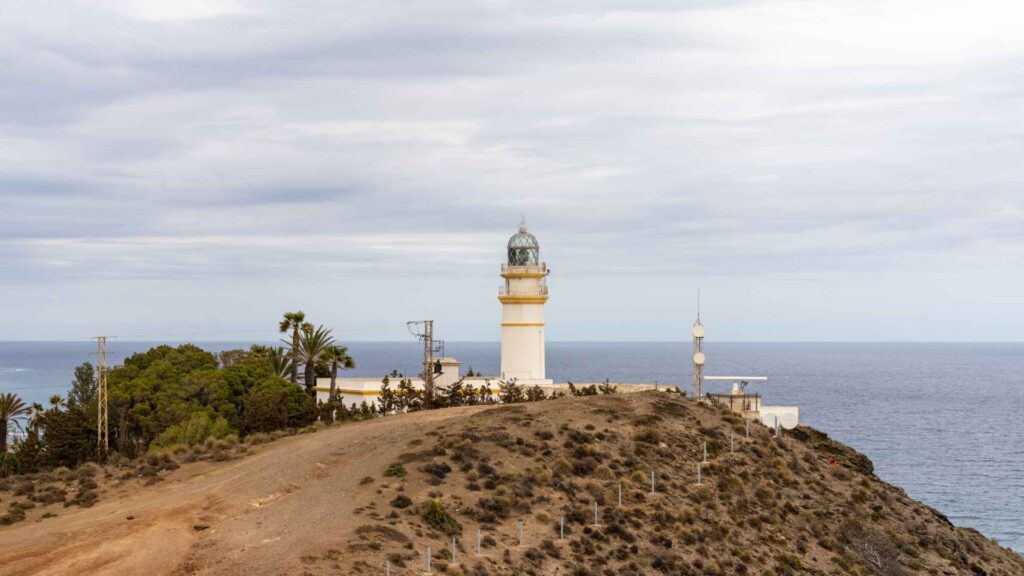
799	504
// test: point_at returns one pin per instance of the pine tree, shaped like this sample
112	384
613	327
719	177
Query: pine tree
387	400
510	392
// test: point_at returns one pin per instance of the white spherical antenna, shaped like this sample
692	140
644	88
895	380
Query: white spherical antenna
698	331
698	358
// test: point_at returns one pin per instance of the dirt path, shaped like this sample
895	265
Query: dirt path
291	498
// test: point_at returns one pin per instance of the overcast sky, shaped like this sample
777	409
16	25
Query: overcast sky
842	170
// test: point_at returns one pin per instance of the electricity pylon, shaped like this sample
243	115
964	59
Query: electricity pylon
102	432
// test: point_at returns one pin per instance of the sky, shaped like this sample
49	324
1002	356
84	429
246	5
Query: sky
847	170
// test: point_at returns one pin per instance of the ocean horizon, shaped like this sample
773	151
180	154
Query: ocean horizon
939	419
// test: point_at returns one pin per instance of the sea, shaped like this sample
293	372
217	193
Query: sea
943	421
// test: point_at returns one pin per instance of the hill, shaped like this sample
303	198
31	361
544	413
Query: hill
345	499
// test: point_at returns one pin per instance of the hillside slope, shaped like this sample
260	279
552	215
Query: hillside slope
343	500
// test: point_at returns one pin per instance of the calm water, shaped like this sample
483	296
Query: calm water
944	421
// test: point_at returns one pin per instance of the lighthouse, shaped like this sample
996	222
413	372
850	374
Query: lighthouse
522	297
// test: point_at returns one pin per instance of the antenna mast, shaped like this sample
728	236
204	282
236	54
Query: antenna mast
698	356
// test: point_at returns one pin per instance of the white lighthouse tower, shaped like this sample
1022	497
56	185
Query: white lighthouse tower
522	312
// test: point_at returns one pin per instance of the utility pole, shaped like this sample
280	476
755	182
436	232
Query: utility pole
102	431
432	349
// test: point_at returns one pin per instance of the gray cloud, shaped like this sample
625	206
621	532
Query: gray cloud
148	145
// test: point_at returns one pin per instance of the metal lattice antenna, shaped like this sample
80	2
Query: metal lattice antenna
698	304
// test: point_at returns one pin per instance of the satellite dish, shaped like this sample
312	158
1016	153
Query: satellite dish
698	331
698	358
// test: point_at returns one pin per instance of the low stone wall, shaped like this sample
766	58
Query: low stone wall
356	390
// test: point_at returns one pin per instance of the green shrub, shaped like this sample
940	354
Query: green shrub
197	429
435	515
396	470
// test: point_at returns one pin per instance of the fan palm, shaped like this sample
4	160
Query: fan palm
56	402
12	409
313	344
337	357
37	418
292	322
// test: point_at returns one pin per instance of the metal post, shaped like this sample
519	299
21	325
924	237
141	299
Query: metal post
454	551
520	532
478	541
596	523
387	567
620	494
748	428
428	559
652	481
561	528
698	473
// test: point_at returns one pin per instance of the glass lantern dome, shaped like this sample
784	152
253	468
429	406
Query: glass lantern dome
523	249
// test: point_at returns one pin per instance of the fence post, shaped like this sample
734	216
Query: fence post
521	533
698	473
596	523
455	550
387	567
652	481
620	494
428	559
731	447
561	528
478	541
748	428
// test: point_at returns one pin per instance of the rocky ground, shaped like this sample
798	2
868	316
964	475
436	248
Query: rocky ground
348	499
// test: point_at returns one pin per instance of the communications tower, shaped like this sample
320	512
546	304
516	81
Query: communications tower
698	357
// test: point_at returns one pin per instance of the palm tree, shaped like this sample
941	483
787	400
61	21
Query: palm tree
280	362
293	321
337	357
11	410
56	402
37	419
313	344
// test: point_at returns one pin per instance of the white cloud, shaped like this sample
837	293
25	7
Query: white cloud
174	10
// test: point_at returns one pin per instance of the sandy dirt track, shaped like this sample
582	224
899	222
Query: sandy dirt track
291	498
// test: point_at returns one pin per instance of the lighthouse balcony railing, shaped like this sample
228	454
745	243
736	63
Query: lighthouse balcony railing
541	268
506	291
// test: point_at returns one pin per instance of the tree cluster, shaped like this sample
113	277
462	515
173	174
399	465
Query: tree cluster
162	397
